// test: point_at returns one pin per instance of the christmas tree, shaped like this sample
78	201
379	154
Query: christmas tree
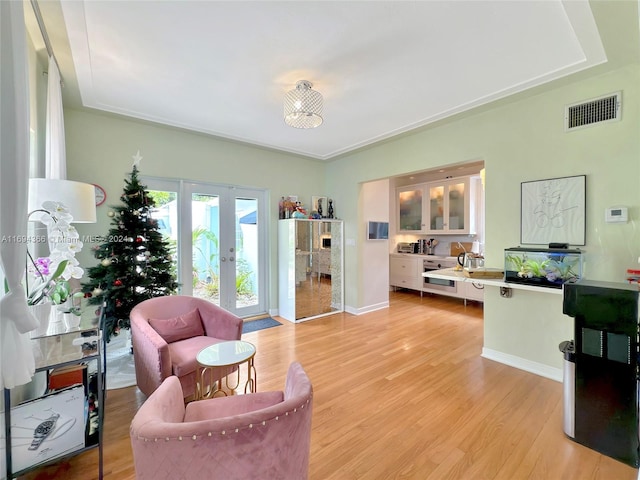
135	260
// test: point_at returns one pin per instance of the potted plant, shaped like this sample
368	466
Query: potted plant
48	280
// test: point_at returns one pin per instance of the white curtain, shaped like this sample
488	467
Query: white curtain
17	363
55	152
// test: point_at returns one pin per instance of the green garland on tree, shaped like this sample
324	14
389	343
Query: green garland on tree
135	259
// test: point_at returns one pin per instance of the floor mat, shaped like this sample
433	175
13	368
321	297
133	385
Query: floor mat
261	324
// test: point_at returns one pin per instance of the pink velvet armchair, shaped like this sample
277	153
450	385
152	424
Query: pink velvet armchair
264	435
168	332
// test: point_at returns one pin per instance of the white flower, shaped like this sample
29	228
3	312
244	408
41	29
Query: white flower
61	265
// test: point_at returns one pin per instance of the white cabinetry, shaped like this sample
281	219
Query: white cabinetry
411	217
471	290
405	271
447	207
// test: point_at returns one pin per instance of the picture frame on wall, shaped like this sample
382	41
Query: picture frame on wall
319	204
553	211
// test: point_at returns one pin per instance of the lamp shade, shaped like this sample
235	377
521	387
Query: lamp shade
78	197
303	106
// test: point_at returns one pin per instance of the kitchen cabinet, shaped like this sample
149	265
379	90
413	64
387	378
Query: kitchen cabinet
310	268
449	208
405	271
471	290
66	416
411	209
446	207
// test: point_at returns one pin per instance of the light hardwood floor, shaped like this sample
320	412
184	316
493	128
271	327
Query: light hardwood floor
401	393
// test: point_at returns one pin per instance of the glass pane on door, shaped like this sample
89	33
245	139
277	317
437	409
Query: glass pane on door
456	207
436	208
247	258
410	208
165	213
205	240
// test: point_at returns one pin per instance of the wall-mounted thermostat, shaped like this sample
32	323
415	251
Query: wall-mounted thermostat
616	215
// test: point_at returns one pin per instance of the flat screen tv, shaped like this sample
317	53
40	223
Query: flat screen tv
378	230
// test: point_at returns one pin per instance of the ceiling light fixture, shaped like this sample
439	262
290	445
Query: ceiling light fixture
303	106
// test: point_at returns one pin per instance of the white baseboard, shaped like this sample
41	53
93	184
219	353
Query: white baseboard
367	309
523	364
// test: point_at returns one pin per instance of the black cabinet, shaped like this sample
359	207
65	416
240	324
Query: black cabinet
606	366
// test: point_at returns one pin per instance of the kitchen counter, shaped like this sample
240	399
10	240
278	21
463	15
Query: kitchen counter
459	276
423	256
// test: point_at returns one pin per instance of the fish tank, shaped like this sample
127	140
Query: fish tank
542	267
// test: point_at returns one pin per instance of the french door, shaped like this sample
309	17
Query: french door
220	238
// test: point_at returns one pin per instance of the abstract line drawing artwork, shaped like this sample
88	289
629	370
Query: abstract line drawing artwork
553	211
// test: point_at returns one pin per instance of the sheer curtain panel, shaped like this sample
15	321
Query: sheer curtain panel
55	152
17	363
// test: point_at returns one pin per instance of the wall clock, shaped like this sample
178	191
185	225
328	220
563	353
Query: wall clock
101	195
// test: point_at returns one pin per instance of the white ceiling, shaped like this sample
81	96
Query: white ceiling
383	67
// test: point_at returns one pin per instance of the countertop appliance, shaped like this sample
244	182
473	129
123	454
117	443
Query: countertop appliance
438	285
406	247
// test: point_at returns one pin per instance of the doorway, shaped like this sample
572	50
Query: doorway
219	234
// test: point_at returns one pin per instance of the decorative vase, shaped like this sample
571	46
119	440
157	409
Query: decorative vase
42	312
57	316
61	310
71	320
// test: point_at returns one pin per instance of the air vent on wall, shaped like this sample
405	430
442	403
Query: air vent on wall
597	110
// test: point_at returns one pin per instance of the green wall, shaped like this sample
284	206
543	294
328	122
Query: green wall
100	149
521	141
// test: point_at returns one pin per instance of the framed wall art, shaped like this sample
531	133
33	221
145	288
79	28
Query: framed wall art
553	211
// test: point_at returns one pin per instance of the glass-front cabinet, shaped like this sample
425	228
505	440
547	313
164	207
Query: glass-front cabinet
411	209
310	272
449	207
443	207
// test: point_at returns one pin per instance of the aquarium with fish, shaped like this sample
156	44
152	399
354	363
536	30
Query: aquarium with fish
542	267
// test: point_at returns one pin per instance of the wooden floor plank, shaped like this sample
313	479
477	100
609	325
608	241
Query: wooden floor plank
400	393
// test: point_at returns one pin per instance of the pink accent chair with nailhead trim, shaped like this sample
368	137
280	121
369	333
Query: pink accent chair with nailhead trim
168	332
263	435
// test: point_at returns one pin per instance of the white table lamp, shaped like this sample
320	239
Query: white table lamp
78	197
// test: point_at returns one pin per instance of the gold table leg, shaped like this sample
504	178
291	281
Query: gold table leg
210	389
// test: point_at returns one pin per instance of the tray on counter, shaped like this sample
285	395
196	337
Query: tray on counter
483	273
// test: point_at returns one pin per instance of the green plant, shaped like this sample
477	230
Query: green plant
537	269
243	278
553	268
563	268
528	268
197	235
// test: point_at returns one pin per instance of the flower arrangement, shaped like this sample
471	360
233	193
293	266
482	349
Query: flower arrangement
48	277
